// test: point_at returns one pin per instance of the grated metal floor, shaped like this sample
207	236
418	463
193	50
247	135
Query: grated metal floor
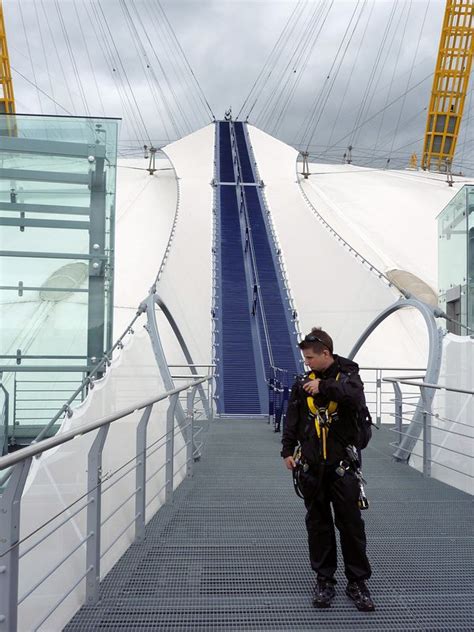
231	553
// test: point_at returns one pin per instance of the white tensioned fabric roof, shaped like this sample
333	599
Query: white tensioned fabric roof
387	216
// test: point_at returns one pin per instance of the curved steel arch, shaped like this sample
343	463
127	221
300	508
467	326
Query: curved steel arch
152	328
435	336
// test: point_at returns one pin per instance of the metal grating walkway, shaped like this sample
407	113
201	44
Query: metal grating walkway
230	553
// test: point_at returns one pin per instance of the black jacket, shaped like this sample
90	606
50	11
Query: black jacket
347	391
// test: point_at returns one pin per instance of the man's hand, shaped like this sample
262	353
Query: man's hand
290	462
312	387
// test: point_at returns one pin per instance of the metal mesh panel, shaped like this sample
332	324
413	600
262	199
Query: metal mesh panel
231	552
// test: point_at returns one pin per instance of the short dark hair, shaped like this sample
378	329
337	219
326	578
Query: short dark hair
317	340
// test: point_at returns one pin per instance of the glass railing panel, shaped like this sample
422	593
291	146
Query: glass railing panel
57	213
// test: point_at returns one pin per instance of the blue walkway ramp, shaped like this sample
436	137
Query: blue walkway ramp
255	324
231	554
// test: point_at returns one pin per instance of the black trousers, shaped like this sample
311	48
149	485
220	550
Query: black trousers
320	492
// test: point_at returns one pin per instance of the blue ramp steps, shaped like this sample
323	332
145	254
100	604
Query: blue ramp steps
254	324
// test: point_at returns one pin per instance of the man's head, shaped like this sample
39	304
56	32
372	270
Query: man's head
317	348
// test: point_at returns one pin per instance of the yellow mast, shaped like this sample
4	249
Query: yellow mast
7	101
453	67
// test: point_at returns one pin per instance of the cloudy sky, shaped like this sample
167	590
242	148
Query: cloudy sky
322	75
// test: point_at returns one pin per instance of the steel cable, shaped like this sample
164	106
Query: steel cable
301	62
267	112
334	77
272	59
187	62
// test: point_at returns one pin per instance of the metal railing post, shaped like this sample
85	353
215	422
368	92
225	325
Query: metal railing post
378	397
140	475
94	519
426	433
190	432
398	410
4	425
169	469
10	505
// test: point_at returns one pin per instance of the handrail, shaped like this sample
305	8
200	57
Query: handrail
283	270
251	246
424	409
428	385
59	439
87	381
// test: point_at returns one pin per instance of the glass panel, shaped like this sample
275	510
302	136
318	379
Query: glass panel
452	250
57	211
470	259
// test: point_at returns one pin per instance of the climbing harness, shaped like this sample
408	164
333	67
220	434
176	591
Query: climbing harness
323	417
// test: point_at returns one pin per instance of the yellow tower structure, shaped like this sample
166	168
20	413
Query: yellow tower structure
453	67
7	101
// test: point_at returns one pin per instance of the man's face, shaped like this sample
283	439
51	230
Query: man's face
317	361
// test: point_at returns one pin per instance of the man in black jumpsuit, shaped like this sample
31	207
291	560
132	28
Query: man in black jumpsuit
322	418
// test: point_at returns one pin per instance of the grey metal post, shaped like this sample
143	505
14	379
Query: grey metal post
378	397
190	432
169	469
398	411
10	505
426	433
96	302
140	475
4	426
94	518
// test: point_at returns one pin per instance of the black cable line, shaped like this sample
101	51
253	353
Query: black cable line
263	115
86	47
279	49
27	40
187	61
107	52
325	86
335	75
185	85
268	110
154	87
373	73
72	57
118	56
301	62
351	73
276	47
392	79
42	91
165	77
130	119
196	113
168	67
409	76
52	39
45	57
429	76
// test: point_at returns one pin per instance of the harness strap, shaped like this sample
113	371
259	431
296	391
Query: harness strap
322	425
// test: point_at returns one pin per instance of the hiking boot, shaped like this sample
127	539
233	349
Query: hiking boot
360	595
324	593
